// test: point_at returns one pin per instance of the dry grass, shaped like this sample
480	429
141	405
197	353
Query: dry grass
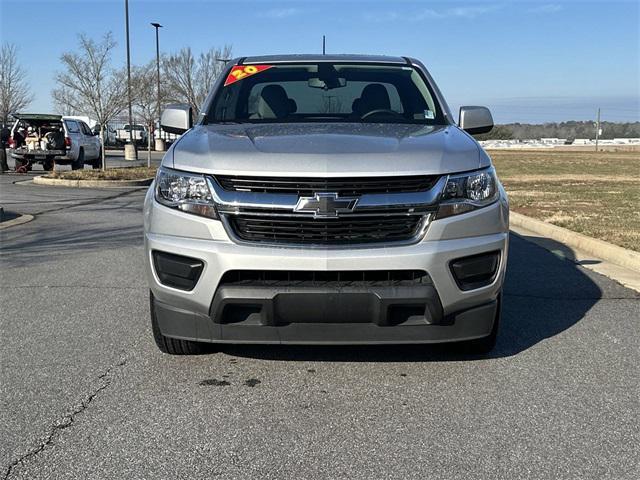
129	173
594	193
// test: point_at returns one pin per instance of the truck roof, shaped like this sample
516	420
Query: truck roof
356	58
43	117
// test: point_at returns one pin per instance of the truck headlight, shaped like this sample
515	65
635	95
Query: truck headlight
468	191
184	191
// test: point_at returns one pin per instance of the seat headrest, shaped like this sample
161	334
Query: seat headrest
374	97
273	102
355	106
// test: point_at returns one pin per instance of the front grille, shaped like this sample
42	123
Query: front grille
334	278
341	186
324	231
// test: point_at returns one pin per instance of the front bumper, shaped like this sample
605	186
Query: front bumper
470	324
195	314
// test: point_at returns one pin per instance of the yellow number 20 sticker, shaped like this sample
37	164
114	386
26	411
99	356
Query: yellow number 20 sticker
238	72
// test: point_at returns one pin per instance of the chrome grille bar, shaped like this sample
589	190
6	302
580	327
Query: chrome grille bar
234	201
270	217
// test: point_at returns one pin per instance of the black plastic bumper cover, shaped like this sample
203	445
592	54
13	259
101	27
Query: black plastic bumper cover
177	271
326	316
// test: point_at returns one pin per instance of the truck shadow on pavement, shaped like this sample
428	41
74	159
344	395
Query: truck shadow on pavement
544	295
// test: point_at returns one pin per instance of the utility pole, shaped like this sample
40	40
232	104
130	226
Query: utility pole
130	153
323	45
159	146
598	129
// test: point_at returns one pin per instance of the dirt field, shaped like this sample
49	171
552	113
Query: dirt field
594	193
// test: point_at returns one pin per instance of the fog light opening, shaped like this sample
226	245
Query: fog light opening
177	271
475	271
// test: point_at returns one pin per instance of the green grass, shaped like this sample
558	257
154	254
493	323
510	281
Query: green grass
594	193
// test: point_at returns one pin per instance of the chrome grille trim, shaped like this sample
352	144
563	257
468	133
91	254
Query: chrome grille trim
238	209
233	201
343	186
371	213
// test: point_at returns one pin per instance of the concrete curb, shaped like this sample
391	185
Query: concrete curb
16	221
60	182
598	248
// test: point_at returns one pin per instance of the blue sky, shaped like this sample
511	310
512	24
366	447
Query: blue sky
528	61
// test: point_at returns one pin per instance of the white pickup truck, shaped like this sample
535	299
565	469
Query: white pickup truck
140	134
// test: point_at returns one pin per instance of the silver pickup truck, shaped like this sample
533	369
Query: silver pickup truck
51	139
322	199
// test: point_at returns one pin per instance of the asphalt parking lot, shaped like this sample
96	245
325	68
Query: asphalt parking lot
85	393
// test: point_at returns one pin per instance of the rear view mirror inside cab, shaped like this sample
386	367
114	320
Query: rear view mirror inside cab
328	83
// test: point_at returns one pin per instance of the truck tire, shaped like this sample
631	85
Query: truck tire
79	163
174	346
97	163
482	346
48	164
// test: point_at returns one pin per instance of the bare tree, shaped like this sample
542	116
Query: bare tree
62	99
145	98
179	73
189	78
15	93
89	84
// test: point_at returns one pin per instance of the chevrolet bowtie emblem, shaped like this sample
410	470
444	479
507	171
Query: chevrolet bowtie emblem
326	204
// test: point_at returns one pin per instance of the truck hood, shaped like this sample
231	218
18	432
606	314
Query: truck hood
328	149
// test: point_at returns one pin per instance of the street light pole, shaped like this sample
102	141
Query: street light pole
157	26
131	154
598	129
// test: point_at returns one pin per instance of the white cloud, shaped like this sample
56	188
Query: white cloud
471	12
382	16
548	8
429	13
280	13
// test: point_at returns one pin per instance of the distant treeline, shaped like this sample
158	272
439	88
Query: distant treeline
568	130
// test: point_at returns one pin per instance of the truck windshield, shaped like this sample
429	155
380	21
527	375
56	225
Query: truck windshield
325	92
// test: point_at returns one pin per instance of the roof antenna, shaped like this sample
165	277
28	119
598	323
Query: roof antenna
323	50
